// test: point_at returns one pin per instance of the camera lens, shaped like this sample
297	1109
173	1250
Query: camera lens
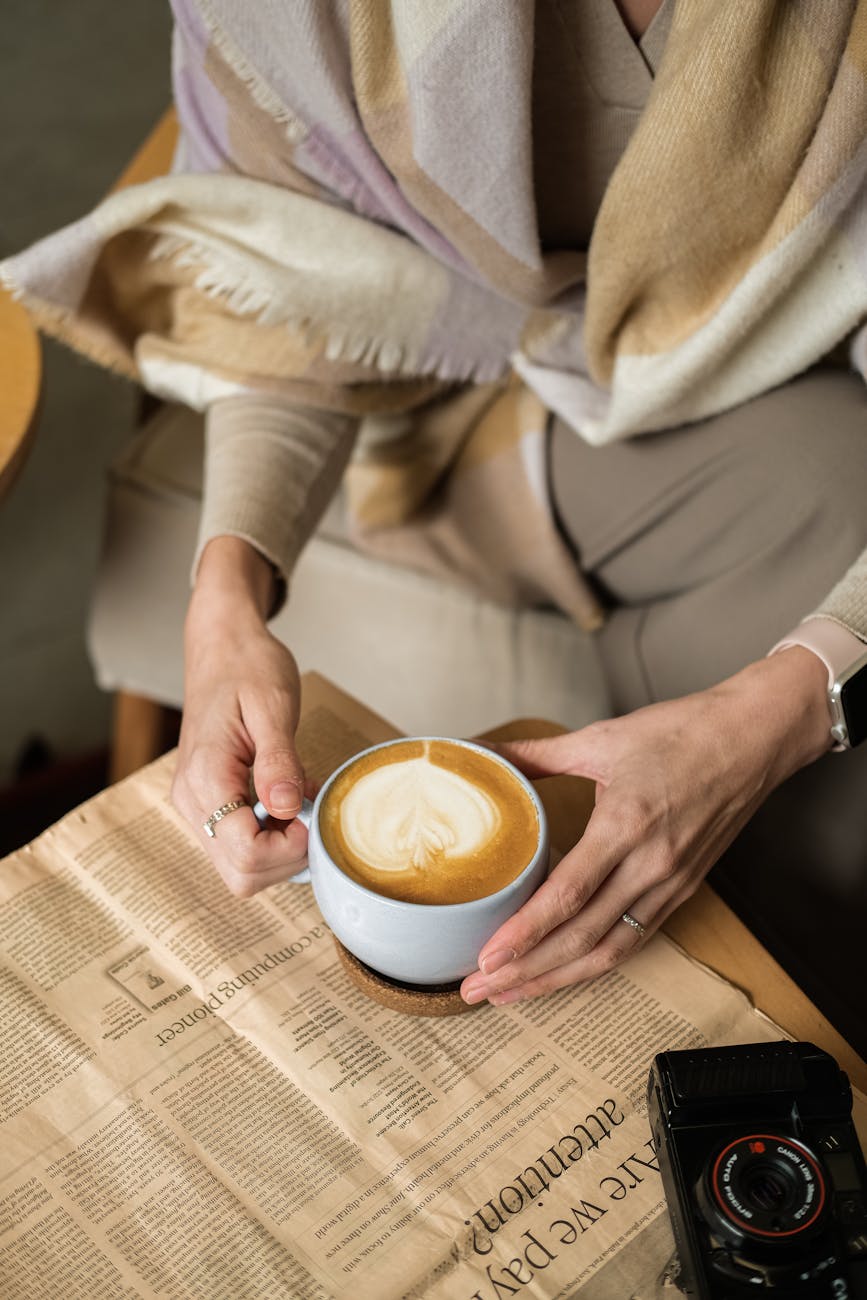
762	1186
767	1188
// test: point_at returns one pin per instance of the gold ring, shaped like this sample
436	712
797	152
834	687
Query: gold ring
223	811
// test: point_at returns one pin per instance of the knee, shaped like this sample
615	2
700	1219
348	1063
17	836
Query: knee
802	462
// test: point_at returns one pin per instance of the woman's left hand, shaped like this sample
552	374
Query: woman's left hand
675	782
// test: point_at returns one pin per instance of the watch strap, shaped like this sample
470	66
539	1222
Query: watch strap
834	644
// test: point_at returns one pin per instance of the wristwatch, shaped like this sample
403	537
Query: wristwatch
845	657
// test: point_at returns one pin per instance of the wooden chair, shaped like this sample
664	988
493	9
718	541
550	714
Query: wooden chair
141	727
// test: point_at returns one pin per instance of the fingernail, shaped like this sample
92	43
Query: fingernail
286	797
473	988
473	992
497	960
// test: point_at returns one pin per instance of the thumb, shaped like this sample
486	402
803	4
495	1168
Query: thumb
571	754
278	775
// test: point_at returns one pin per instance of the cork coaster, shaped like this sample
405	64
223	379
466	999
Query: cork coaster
412	1000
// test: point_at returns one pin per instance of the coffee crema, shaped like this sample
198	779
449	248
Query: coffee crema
429	821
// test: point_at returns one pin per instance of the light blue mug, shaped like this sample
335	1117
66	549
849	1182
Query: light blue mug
416	943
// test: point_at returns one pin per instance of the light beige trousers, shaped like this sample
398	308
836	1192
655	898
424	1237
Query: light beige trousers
709	542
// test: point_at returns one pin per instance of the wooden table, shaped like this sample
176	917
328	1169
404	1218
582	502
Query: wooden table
705	927
20	379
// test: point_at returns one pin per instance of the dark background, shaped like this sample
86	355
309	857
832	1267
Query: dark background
80	87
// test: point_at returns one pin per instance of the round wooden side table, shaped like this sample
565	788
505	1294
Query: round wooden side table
20	378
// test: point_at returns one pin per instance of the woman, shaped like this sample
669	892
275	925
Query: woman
650	213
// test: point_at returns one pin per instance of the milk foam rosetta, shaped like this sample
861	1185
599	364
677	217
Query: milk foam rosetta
413	815
430	822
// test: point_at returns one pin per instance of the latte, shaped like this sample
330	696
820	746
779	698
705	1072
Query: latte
429	821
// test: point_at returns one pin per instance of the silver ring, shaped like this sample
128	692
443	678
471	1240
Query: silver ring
636	925
223	811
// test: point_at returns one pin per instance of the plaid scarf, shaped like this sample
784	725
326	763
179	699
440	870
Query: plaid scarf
351	221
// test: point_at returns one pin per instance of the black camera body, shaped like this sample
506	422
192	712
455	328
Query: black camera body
763	1172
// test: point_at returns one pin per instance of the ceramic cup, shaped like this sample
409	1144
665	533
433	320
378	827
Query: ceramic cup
416	943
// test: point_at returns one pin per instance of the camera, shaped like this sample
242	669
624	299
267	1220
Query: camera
762	1170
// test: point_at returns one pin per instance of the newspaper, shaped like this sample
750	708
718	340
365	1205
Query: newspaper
196	1101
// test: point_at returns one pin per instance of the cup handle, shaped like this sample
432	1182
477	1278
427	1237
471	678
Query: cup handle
260	812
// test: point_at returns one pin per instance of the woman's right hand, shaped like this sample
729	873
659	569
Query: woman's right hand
241	706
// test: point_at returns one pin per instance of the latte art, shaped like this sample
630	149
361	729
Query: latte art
415	815
429	822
